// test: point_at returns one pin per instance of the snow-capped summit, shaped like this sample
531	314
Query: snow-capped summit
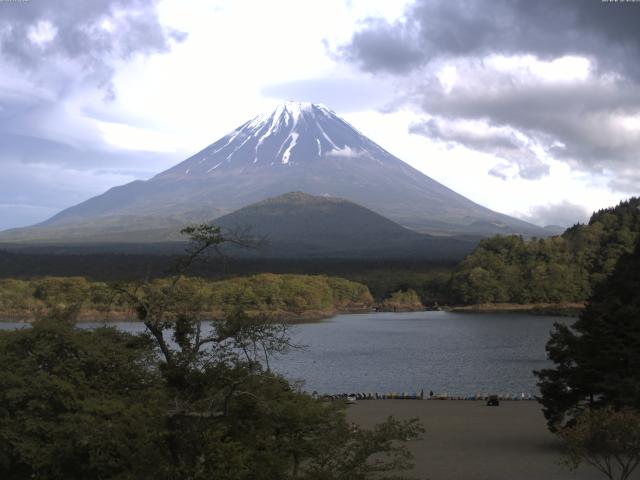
298	146
294	133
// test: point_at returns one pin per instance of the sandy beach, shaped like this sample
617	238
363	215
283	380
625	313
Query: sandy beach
466	440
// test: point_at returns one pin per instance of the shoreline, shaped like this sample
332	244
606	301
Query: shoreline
550	309
120	316
314	316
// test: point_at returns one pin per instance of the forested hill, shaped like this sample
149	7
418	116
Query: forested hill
562	268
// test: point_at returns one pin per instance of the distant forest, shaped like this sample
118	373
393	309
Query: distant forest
292	297
382	276
502	269
562	268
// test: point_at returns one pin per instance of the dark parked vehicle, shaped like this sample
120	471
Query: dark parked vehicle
493	401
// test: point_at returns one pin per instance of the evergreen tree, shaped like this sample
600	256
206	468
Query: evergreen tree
598	358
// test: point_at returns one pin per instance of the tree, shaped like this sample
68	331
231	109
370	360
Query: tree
346	453
402	301
210	406
59	296
563	268
598	358
76	404
607	439
255	425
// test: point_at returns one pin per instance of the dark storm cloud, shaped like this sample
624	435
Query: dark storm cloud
89	34
579	121
56	53
385	47
607	31
55	57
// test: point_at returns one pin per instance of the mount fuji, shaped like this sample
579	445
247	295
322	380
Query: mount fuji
297	147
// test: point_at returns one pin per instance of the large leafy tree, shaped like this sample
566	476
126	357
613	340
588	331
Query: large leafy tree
255	424
597	360
76	404
557	269
185	401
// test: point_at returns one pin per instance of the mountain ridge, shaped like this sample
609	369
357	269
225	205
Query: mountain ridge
296	147
296	224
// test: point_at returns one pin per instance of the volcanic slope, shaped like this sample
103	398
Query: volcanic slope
297	147
299	225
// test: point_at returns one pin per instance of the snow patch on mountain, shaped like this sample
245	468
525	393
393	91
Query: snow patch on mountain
294	138
348	152
292	135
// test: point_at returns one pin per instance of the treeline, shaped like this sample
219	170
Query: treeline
557	269
402	301
429	279
431	283
107	265
287	295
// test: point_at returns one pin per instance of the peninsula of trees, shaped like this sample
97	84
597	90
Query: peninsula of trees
557	269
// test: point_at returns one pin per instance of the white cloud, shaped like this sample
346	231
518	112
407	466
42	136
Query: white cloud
42	33
563	214
130	137
169	104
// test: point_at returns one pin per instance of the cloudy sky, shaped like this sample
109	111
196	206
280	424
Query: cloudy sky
529	108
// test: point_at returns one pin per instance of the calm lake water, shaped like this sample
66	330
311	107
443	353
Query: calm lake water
456	353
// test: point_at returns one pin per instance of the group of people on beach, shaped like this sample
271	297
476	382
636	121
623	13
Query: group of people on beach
421	396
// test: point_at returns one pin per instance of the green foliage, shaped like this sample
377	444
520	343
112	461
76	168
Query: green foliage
607	439
182	401
349	295
597	360
264	293
291	293
550	270
268	292
402	301
60	290
76	404
16	298
347	453
431	283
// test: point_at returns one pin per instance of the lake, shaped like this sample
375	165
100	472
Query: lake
454	353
